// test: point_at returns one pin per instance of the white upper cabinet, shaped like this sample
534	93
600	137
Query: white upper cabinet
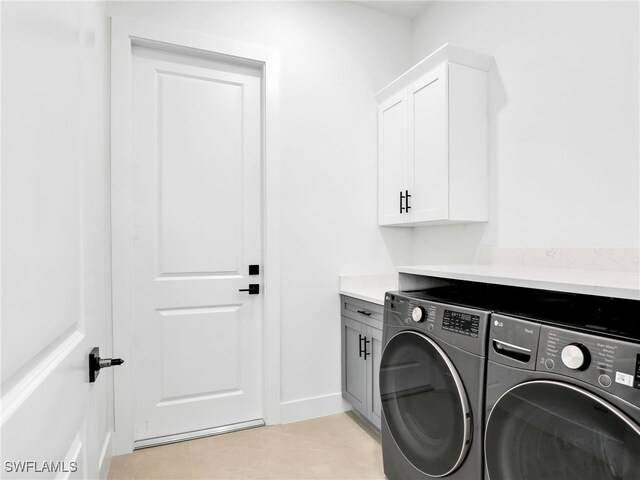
432	141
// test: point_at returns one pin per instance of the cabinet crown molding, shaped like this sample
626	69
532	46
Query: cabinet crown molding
446	53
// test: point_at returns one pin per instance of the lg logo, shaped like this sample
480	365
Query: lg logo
498	324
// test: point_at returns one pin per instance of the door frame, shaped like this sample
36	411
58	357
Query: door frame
124	35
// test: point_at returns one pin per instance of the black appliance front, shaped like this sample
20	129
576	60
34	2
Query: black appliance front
547	430
561	403
424	403
432	374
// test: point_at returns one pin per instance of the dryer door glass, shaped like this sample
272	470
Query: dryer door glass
424	403
550	430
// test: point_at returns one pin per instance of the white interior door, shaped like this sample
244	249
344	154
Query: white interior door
55	423
196	229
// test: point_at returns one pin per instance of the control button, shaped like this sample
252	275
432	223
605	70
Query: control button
418	314
604	380
549	363
576	356
430	327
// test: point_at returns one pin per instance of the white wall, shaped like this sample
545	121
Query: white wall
564	127
335	56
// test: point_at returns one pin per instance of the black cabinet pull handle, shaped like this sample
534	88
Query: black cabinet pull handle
361	350
366	342
408	207
401	199
368	314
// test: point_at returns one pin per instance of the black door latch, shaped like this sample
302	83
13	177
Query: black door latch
96	363
254	289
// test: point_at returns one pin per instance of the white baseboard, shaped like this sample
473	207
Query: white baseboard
312	407
105	457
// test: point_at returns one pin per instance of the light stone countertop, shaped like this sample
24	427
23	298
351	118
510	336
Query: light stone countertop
370	288
589	282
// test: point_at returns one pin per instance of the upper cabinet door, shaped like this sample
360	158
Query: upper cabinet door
392	153
428	146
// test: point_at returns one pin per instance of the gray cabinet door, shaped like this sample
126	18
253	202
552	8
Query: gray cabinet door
361	354
354	371
374	405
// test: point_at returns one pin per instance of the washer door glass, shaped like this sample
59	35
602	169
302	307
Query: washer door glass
424	403
551	430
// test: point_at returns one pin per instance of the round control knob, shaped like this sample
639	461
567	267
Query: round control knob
418	314
604	380
576	356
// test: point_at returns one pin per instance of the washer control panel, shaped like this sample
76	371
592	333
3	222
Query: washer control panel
460	326
610	364
461	323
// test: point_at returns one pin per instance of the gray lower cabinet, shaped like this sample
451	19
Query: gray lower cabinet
361	352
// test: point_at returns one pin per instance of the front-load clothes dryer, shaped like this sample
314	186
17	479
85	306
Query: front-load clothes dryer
561	403
432	388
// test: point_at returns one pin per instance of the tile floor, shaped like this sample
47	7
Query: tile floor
334	447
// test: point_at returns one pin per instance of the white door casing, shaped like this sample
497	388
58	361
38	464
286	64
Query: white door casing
197	216
205	49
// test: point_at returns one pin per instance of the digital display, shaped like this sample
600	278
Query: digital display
462	323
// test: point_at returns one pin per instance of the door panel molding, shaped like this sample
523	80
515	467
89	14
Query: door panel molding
45	382
38	374
184	174
125	35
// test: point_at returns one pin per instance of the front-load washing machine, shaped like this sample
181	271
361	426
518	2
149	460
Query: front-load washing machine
562	403
432	387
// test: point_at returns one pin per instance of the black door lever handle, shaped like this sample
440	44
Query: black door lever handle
96	363
254	289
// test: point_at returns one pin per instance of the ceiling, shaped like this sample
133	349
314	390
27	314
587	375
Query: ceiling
400	8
